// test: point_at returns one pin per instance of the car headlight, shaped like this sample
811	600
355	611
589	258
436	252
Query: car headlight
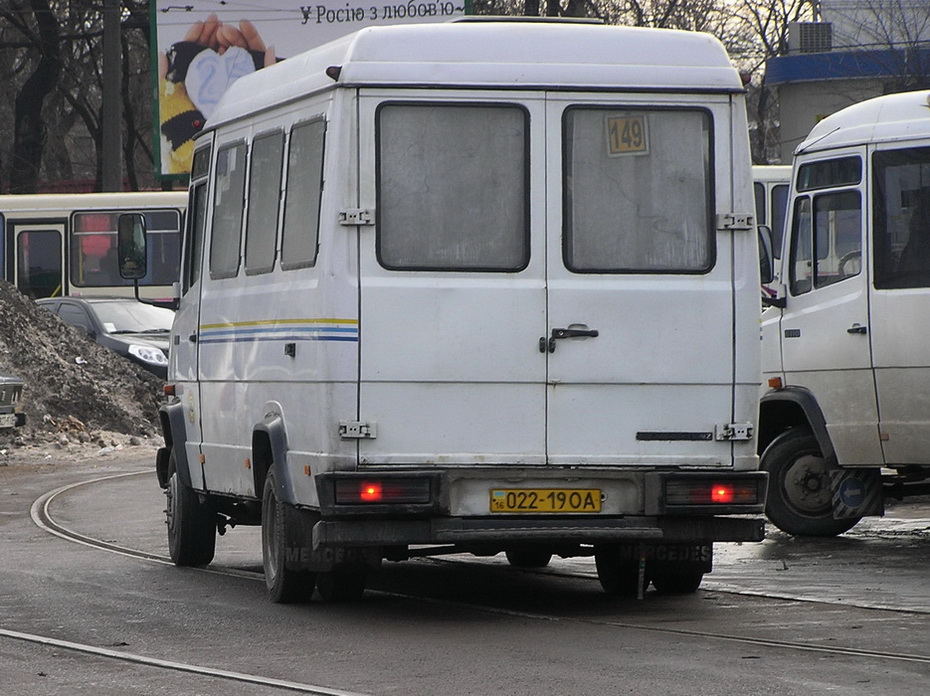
148	354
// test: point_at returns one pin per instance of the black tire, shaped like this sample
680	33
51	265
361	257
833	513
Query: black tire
191	524
528	558
341	585
677	583
620	577
799	500
285	586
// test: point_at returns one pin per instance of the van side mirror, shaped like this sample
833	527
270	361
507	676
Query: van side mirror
766	257
131	243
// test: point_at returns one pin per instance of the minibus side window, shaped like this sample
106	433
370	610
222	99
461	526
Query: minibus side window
778	212
304	188
197	220
901	218
838	240
758	191
452	187
801	265
261	225
638	191
226	239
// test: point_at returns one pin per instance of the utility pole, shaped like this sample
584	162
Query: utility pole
112	86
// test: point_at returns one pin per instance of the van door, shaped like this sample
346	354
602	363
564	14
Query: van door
901	298
39	259
640	283
825	325
453	298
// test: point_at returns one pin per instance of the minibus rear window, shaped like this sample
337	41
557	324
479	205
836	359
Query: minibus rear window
452	187
638	190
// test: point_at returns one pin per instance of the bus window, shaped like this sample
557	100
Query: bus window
38	256
93	248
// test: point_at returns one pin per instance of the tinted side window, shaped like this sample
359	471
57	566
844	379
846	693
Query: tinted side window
299	238
638	191
227	211
452	187
264	195
901	218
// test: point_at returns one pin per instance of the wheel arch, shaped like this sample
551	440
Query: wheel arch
269	452
173	430
791	407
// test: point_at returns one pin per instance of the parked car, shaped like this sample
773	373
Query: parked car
11	389
124	325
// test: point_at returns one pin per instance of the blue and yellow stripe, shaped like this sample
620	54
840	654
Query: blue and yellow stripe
280	330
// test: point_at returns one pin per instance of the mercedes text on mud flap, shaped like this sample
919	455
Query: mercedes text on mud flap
471	304
845	420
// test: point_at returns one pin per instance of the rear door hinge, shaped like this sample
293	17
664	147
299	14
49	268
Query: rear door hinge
735	221
734	431
358	430
353	217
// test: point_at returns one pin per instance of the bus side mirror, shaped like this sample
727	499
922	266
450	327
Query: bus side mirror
131	243
766	258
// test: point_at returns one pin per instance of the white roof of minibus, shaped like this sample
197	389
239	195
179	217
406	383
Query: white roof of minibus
493	55
58	202
891	117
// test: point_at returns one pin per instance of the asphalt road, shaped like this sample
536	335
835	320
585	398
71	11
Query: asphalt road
785	617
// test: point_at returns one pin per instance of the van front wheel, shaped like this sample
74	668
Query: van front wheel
799	500
191	524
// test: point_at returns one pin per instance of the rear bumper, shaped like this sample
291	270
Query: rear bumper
541	531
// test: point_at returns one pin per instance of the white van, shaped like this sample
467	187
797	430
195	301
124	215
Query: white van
480	286
844	351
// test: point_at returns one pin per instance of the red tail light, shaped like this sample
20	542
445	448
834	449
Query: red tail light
370	492
707	491
356	491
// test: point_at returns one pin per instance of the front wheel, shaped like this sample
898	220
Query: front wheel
284	585
191	524
800	500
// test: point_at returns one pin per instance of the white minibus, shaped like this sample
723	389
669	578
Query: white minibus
845	418
473	287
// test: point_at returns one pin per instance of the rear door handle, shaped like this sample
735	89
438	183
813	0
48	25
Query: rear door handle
549	345
857	329
574	333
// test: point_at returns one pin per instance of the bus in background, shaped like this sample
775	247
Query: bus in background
65	244
770	184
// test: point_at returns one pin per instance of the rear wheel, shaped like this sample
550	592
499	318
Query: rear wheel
620	577
800	500
284	585
528	558
191	524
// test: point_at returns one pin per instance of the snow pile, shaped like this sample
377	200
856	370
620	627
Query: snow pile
74	387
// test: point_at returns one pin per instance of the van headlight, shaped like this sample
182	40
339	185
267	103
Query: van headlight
148	354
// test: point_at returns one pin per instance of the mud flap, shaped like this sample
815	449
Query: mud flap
857	493
301	556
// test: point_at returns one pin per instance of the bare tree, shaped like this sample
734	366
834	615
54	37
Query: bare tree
893	36
58	136
29	126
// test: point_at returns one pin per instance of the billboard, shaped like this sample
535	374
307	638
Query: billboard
203	46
